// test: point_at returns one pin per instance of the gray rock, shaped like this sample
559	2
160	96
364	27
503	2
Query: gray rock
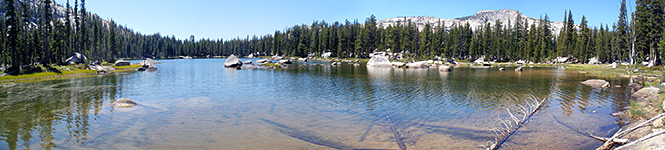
379	61
419	64
398	64
597	83
336	63
518	69
147	64
285	61
645	92
302	59
232	62
124	103
276	57
247	62
122	63
502	69
356	65
263	61
78	58
658	122
445	68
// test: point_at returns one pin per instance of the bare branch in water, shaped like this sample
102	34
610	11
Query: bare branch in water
513	123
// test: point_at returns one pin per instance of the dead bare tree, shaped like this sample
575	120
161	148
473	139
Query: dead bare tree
513	121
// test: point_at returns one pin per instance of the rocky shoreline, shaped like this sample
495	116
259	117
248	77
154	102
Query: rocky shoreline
642	122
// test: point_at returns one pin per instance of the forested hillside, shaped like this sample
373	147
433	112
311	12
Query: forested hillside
40	31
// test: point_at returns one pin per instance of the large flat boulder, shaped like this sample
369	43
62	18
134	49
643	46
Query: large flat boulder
232	62
379	61
597	83
419	64
122	63
646	92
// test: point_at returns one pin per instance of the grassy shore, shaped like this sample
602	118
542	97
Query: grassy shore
60	72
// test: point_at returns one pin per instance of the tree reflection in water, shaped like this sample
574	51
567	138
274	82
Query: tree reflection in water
32	111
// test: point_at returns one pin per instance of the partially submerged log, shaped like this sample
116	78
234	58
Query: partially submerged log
514	123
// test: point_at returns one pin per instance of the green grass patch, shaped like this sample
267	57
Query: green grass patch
598	70
38	73
134	66
272	65
636	110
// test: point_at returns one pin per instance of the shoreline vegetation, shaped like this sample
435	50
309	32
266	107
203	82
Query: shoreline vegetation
53	72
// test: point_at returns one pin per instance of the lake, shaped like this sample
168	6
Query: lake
199	104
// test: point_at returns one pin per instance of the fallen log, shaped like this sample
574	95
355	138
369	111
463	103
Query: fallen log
609	144
514	123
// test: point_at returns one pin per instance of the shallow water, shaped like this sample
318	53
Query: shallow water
199	104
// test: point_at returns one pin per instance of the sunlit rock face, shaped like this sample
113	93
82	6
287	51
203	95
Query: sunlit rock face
379	61
232	61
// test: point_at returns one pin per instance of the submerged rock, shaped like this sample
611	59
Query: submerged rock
247	62
379	61
597	83
124	103
232	62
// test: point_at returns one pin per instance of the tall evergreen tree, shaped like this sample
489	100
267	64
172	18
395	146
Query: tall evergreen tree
12	41
622	37
45	21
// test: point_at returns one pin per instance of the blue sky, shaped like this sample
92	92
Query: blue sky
228	19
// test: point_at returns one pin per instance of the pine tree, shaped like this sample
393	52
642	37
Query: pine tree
83	34
12	24
621	31
68	30
45	22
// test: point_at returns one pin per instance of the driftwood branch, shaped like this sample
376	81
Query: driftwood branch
609	144
604	139
513	122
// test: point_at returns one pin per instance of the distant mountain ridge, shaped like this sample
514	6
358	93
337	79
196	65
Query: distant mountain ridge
476	21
